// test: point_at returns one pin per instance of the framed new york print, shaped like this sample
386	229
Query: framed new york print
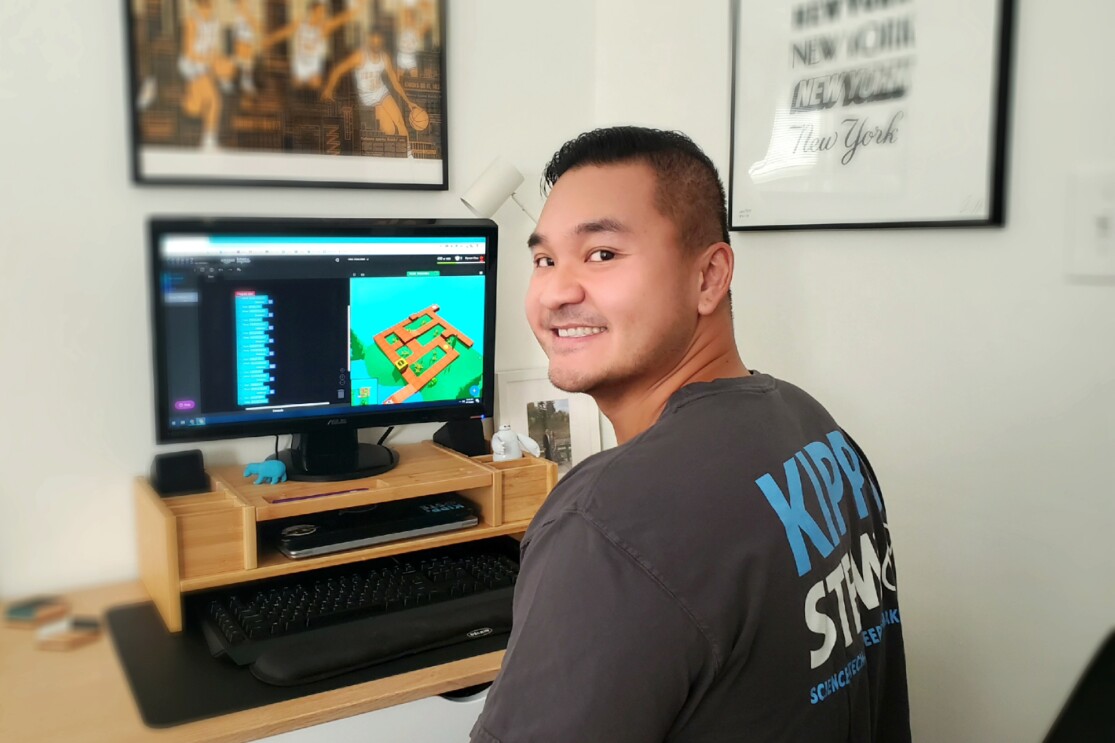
868	113
288	92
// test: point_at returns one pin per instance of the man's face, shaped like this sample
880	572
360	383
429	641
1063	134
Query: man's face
613	296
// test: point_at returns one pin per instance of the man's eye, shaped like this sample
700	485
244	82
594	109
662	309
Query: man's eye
543	262
601	255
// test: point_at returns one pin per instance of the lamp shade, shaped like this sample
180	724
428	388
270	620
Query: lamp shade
494	186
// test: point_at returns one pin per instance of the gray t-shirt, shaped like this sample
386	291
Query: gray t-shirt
725	575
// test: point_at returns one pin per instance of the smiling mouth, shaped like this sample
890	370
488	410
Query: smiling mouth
578	332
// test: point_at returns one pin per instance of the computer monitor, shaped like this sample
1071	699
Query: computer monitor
319	327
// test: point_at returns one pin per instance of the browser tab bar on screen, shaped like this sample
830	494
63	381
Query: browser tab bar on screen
192	245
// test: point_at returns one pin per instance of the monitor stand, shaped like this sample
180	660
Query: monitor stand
326	456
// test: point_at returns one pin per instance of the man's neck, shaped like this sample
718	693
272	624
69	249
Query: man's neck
635	408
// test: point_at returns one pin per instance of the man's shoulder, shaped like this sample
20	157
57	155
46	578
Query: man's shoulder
689	436
757	390
605	490
578	490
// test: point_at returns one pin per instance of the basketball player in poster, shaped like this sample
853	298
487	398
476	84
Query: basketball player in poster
203	67
246	35
372	73
407	45
309	40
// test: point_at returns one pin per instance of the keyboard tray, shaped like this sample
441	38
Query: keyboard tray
175	680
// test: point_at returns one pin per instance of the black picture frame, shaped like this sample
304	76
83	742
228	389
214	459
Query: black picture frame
853	115
272	126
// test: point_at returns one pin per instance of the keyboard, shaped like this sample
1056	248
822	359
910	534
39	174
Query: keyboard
310	626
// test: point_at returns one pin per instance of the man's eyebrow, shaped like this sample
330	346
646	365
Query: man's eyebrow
606	224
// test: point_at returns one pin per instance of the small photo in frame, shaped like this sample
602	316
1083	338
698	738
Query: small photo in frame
565	425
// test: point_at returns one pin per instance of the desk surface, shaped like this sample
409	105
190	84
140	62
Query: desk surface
82	694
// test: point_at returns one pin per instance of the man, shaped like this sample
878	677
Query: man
725	573
549	451
203	67
310	41
372	71
406	56
246	35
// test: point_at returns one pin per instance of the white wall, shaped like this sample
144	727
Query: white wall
981	382
76	418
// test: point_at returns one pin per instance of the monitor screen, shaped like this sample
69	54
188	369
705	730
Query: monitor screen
295	325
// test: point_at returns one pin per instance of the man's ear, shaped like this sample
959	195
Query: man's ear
717	264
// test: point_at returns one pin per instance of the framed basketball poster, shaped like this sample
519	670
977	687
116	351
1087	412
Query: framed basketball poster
342	93
869	113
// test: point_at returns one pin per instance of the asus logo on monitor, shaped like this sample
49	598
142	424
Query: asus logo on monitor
336	421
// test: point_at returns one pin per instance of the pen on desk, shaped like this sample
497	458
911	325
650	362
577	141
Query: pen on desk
318	495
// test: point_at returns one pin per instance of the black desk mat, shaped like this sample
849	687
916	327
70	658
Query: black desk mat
175	680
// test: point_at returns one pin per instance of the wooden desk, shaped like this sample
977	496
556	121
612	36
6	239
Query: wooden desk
83	695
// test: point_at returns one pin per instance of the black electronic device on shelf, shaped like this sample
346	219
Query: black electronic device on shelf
319	327
363	526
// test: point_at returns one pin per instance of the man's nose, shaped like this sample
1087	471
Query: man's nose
561	286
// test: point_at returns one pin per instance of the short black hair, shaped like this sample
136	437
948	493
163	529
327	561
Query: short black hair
689	191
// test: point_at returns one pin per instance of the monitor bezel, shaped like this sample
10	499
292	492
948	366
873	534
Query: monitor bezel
158	226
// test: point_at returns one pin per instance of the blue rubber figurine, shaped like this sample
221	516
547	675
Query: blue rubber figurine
271	472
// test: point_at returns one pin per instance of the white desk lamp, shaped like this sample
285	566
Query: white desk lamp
495	185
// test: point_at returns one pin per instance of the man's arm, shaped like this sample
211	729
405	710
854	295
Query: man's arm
275	37
394	80
339	71
600	650
342	18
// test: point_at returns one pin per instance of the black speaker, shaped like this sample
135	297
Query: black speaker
179	473
466	436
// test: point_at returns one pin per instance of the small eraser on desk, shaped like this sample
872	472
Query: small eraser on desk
68	633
